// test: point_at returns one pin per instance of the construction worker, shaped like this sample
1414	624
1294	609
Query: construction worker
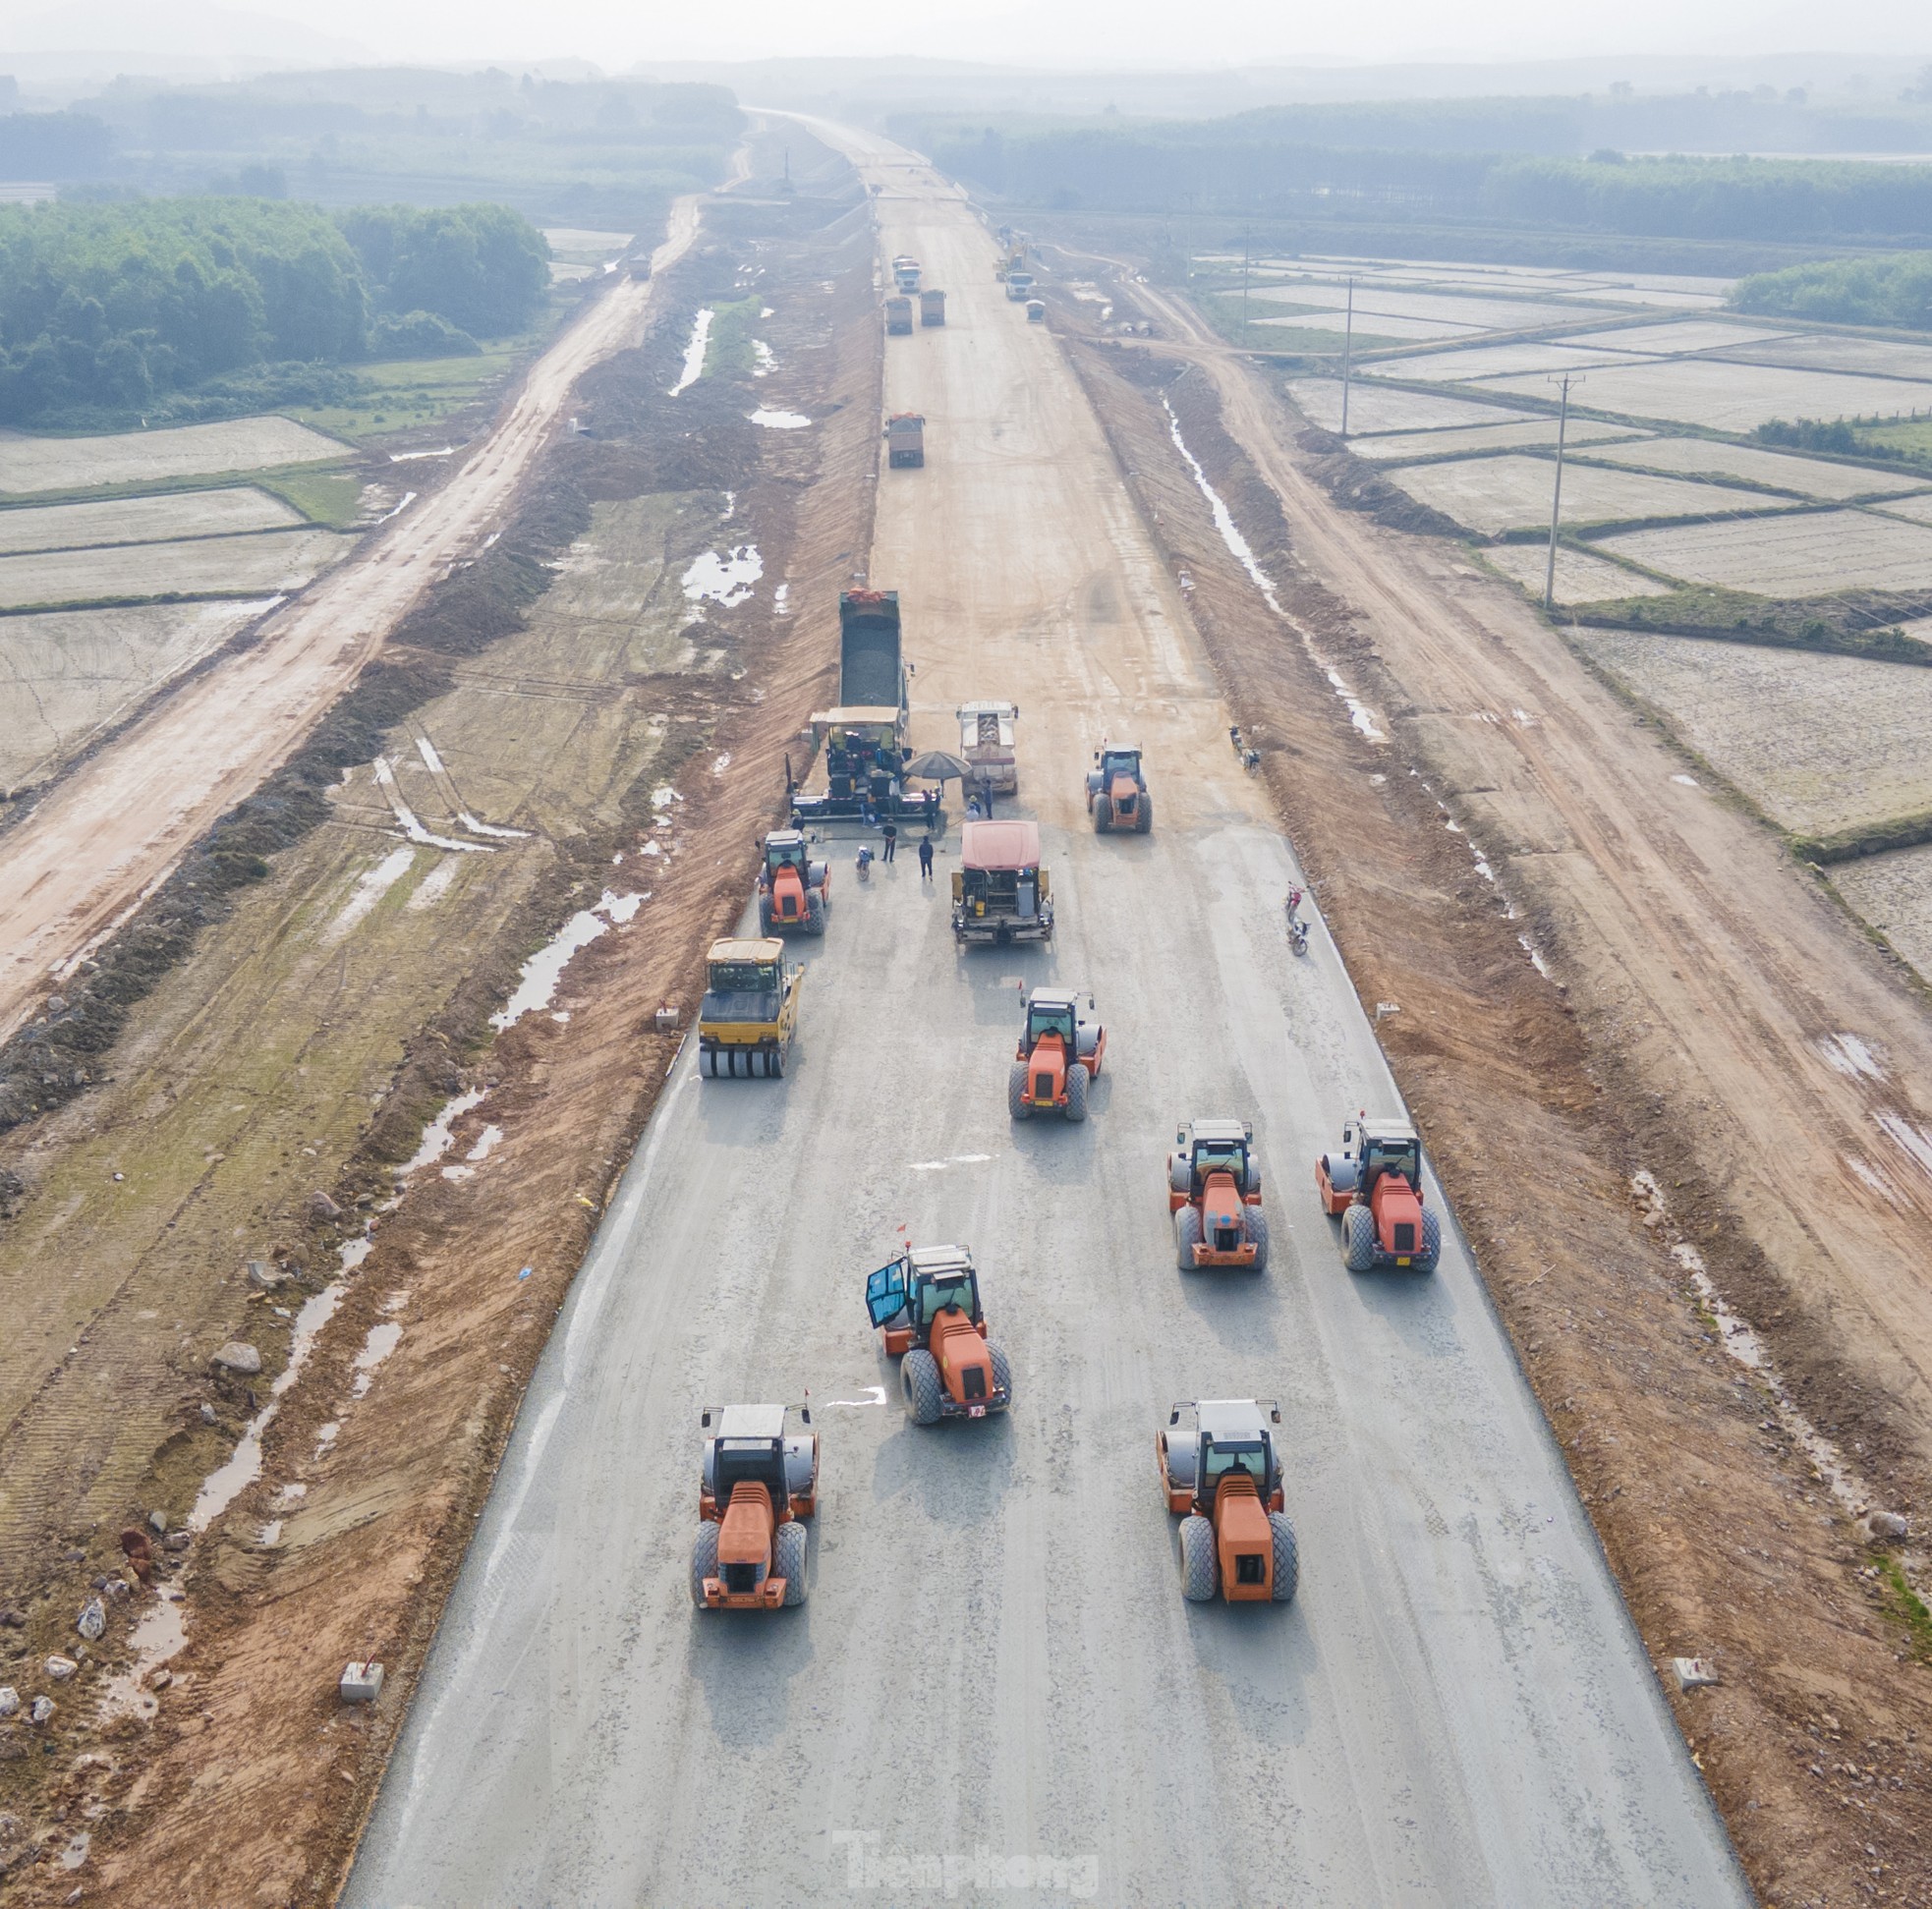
891	840
926	858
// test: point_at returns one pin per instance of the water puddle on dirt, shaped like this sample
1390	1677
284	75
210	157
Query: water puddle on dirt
1850	1055
436	1136
694	353
416	457
381	1341
385	777
371	886
764	363
1914	1142
726	579
543	971
780	421
158	1634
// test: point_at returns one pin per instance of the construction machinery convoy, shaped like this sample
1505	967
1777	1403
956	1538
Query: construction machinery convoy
749	1016
793	890
1116	790
905	440
1375	1183
999	891
926	1305
985	741
1058	1058
759	1481
1220	1472
1213	1192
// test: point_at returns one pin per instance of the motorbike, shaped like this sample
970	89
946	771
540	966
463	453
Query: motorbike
865	862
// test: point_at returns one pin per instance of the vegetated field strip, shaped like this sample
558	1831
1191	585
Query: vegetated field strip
1824	351
157	519
36	464
1892	893
1513	493
1378	409
1808	555
1448	307
1721	395
1581	577
1669	337
1369	326
1918	509
1491	361
216	566
1819	742
1808	476
66	675
581	244
419	393
1537	434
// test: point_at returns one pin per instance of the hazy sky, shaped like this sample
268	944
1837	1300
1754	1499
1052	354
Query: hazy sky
1086	32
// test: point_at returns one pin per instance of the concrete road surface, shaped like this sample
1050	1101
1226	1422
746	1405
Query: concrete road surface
997	1693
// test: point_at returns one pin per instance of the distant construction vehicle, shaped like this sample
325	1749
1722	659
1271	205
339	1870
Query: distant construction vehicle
759	1481
986	742
793	890
1059	1057
1213	1192
1019	286
999	891
1116	790
749	1016
1375	1183
905	272
1036	311
898	318
926	1305
1220	1470
932	307
905	441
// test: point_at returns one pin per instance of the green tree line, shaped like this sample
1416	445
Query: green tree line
1892	289
110	308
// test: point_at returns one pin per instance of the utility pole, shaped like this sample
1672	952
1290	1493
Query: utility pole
1244	288
1557	501
1347	355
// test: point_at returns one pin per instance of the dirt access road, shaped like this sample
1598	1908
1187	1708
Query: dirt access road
109	832
1455	1711
1790	1054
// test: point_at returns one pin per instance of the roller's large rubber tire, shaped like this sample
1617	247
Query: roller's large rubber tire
775	1063
1358	1239
788	1550
704	1561
920	1385
1002	1372
1102	814
764	913
815	913
1258	1233
1180	1172
1078	1081
1432	1242
1287	1557
1187	1236
1195	1546
1144	814
707	1064
1016	1103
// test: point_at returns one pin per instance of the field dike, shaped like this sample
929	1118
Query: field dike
1601	1249
559	734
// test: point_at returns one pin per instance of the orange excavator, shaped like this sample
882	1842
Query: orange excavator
1116	790
1213	1192
926	1305
793	890
759	1482
1058	1056
1222	1473
1375	1183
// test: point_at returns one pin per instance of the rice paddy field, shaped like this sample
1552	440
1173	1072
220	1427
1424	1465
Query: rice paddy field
1492	494
1918	510
143	520
1815	554
1716	394
1580	577
1372	408
1776	470
1537	434
266	563
59	464
1892	893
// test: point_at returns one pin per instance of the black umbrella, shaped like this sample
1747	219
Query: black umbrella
935	766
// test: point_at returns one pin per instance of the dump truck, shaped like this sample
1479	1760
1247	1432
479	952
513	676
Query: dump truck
1019	287
1221	1472
1375	1183
759	1483
905	272
1116	790
926	1305
1009	260
1036	311
1214	1193
985	741
898	318
749	1016
793	890
865	735
932	307
1059	1057
905	440
999	891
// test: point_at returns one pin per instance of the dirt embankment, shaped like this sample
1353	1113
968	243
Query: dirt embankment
1726	1543
252	1782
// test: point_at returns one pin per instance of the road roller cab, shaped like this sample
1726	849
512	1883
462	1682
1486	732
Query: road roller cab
793	890
1213	1192
1220	1470
1375	1183
760	1480
1058	1056
926	1305
1116	790
999	891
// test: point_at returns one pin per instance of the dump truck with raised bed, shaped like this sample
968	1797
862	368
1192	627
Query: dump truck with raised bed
748	1019
793	890
1214	1193
898	318
932	307
1375	1183
905	441
985	741
926	1305
759	1482
999	891
1059	1057
1116	790
1221	1472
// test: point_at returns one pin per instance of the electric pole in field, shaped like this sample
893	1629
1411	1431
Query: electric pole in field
1556	499
1245	271
1347	355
